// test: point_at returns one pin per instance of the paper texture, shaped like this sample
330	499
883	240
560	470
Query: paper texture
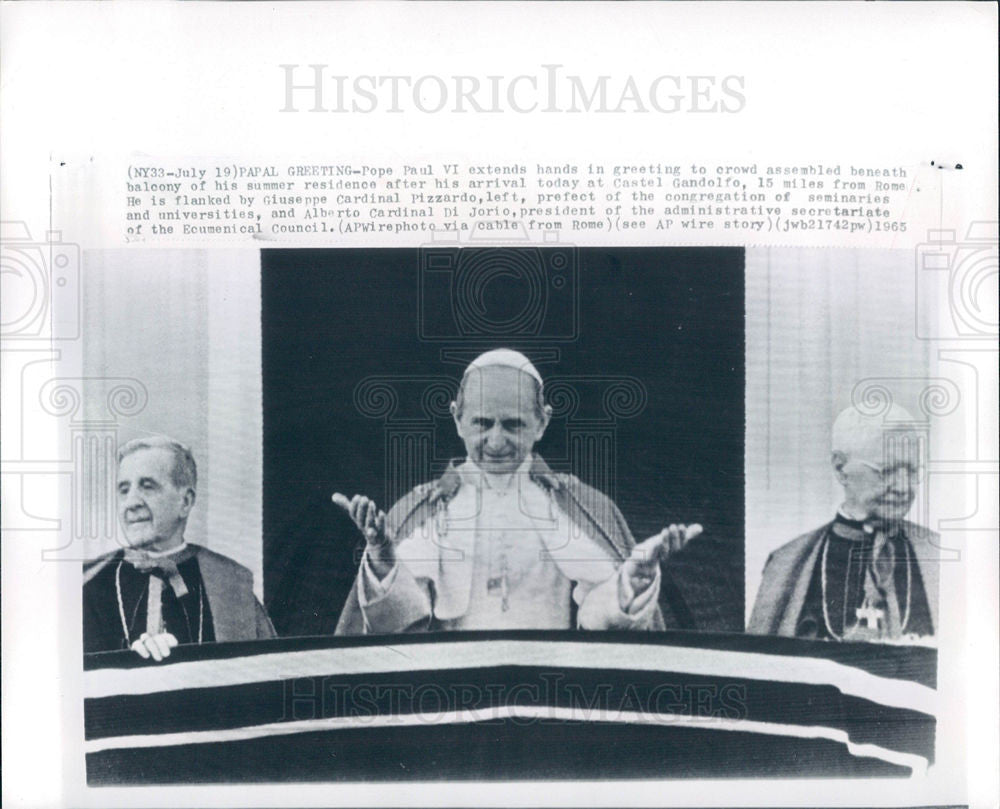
742	261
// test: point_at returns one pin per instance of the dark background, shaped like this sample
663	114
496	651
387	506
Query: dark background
672	318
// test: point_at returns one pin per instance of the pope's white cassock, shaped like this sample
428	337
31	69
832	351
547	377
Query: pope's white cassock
501	551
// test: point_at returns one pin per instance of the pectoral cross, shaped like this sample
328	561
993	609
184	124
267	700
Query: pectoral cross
872	616
501	583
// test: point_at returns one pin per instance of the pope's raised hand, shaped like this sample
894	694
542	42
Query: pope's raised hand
642	564
371	522
366	515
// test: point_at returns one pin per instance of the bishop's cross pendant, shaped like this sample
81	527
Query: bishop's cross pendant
872	616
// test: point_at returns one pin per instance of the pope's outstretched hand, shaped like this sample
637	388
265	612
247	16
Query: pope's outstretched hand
645	559
371	522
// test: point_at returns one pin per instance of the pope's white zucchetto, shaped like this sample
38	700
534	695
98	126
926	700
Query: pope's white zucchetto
504	358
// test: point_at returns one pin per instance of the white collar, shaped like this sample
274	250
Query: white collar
160	554
843	512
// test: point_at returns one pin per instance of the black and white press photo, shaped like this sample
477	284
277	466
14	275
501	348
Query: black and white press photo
484	404
415	498
527	420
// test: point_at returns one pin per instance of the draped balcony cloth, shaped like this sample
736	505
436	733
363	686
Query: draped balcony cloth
510	705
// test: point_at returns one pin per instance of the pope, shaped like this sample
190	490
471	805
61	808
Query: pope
500	541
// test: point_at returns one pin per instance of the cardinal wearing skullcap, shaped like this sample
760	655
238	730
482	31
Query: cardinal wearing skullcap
868	574
159	590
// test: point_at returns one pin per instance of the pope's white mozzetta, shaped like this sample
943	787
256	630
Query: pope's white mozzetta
500	541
